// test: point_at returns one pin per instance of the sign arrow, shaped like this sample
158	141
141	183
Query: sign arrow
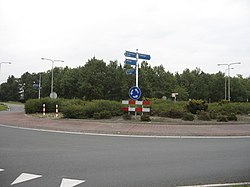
144	56
25	177
130	62
130	54
70	182
130	71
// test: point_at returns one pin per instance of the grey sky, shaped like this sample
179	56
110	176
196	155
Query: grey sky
178	34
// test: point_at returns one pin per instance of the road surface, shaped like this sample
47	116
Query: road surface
53	158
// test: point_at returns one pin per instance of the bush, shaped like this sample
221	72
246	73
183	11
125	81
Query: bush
145	117
204	116
232	117
197	105
74	112
228	108
222	119
213	114
188	117
36	105
172	113
97	109
127	116
159	106
102	115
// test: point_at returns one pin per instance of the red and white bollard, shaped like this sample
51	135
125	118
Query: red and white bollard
56	110
44	109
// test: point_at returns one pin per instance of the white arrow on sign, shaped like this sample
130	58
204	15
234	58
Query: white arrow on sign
25	177
70	182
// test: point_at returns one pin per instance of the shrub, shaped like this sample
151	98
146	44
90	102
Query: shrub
159	106
172	113
145	117
188	117
97	109
204	116
222	119
232	117
197	105
36	105
213	114
102	115
127	116
74	112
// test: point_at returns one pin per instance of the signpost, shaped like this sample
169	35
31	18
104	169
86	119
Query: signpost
135	91
134	62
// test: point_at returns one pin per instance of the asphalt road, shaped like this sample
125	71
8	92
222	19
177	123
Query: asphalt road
120	161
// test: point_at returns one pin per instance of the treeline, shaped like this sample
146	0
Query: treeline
98	80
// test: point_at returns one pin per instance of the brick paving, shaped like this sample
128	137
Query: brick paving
126	127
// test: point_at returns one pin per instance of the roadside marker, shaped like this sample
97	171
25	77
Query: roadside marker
70	182
25	177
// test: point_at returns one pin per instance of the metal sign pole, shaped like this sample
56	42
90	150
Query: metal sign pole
137	67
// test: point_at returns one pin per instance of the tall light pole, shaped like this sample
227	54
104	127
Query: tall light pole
52	74
226	83
3	63
228	68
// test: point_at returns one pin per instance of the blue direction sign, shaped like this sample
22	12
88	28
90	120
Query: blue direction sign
134	93
144	56
130	62
130	54
130	71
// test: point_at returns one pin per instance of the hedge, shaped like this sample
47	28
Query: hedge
36	105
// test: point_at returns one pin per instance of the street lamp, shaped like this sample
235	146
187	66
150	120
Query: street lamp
226	83
52	74
3	63
228	68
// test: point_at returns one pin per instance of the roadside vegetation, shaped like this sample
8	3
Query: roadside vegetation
194	110
96	80
3	107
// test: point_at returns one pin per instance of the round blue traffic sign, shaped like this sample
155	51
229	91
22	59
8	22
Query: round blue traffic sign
134	93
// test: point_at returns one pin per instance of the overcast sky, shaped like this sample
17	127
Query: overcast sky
178	34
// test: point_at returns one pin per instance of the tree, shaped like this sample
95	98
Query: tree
9	91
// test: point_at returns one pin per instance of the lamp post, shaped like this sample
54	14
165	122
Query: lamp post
228	68
226	83
52	74
3	63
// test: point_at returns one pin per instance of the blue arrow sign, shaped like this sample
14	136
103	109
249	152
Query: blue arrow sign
134	93
130	54
130	71
130	62
144	56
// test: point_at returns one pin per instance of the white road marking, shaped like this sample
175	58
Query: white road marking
25	177
1	169
70	182
129	136
218	185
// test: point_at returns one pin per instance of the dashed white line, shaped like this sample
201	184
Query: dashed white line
25	177
1	169
70	182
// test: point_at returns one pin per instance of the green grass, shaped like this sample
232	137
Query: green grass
3	107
